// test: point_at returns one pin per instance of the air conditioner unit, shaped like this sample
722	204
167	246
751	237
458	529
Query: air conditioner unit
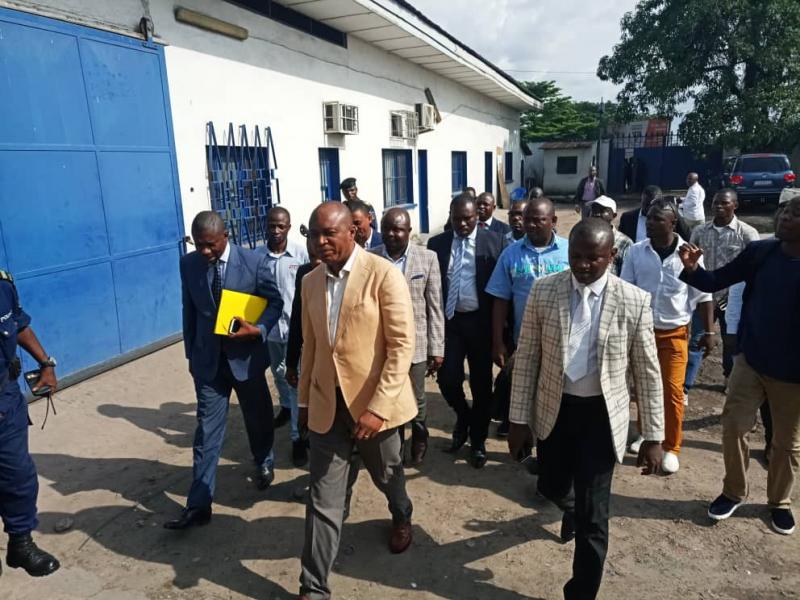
340	118
426	117
404	124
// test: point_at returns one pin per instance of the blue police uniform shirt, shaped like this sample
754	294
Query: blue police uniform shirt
12	320
519	266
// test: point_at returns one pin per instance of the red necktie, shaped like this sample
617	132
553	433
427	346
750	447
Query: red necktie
482	224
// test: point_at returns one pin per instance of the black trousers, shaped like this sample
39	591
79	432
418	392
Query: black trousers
468	335
579	452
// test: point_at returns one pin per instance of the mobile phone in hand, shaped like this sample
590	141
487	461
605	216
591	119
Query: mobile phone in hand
235	326
32	378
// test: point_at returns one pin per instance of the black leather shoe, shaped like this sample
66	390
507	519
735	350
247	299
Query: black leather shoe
189	518
265	477
283	417
568	526
460	436
477	457
23	553
299	453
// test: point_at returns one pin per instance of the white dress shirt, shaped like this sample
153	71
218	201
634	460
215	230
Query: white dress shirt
672	301
641	227
334	290
468	289
589	384
692	206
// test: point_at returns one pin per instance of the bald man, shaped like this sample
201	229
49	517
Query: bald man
583	332
358	333
421	270
691	209
220	364
467	255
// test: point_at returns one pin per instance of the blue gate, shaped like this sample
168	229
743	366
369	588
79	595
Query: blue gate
637	161
90	217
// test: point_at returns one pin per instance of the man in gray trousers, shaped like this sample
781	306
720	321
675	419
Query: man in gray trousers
358	333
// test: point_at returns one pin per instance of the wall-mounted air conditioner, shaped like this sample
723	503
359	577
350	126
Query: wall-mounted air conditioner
340	118
404	124
426	117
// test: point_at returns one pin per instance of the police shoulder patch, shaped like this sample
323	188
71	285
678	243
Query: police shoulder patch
6	276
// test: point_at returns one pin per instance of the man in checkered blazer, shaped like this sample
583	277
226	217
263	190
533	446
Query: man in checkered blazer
583	332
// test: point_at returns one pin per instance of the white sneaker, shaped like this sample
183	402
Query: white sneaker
685	399
670	463
636	444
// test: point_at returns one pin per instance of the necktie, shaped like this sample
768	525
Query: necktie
455	280
481	224
579	338
216	283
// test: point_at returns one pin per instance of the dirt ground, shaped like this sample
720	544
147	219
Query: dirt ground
116	463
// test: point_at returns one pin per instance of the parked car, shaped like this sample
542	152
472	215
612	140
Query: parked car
758	177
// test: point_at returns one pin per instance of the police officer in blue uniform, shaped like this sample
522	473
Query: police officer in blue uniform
18	481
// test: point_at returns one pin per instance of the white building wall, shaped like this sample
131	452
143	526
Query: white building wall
280	77
565	185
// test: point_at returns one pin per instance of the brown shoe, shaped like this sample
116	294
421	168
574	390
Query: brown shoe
400	539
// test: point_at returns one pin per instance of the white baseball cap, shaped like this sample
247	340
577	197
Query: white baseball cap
606	202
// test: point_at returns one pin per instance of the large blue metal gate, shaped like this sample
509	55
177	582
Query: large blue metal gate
638	161
90	217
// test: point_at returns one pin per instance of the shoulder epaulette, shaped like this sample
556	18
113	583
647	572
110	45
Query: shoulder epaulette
5	276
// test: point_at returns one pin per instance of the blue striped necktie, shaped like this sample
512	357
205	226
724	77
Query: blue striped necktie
455	280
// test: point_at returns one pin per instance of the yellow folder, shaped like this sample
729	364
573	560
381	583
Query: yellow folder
237	304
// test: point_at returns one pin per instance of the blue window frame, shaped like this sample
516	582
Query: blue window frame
509	170
459	171
398	185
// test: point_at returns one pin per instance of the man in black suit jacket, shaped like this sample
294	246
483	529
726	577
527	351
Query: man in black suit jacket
588	189
486	206
467	256
631	223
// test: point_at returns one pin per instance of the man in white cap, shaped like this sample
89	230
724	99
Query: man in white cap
605	208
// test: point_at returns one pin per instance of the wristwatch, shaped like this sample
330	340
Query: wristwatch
50	362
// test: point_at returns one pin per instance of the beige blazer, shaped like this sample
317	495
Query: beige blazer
372	350
626	345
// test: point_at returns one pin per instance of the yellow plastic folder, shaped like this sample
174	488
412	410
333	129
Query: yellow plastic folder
238	304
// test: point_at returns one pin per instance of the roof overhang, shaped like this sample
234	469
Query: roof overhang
399	28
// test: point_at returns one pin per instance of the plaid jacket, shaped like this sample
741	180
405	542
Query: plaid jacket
425	284
627	346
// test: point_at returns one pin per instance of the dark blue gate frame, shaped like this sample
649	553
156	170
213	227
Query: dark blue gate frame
666	163
81	32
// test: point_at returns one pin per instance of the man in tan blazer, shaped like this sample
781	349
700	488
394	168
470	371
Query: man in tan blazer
582	332
358	343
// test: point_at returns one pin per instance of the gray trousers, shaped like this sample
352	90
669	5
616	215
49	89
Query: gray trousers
330	466
417	373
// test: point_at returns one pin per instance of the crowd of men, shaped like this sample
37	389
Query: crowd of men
581	326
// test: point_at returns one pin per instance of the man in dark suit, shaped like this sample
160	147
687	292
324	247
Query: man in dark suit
220	364
366	236
632	222
467	256
486	207
588	189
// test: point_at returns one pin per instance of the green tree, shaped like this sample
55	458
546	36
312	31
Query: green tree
562	118
734	63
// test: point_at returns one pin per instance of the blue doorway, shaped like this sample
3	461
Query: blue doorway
92	224
422	169
488	177
329	174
